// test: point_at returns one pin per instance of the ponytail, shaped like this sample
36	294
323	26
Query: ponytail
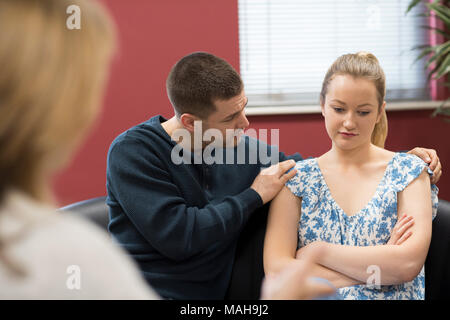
380	131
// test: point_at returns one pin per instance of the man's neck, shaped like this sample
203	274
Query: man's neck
171	125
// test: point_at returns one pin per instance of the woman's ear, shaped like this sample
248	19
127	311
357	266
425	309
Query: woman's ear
322	107
381	110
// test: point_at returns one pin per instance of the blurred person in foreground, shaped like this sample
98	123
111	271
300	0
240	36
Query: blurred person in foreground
51	82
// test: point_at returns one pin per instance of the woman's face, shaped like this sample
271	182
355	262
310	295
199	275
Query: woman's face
351	111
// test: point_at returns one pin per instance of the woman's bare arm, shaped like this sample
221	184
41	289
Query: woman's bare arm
280	243
397	263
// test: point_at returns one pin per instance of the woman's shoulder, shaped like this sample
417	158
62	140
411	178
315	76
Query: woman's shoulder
399	163
384	154
405	168
306	177
54	249
409	161
306	165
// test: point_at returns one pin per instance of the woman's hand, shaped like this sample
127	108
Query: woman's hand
401	230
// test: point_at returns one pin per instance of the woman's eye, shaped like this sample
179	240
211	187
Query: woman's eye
337	109
364	113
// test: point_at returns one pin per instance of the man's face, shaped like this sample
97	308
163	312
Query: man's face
229	116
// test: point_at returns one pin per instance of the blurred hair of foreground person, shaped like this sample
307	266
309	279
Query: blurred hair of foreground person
51	82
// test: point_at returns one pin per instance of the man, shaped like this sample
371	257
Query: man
177	205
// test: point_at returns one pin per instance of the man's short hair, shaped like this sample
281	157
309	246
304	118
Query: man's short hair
197	80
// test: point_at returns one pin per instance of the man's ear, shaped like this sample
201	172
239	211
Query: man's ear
380	113
187	120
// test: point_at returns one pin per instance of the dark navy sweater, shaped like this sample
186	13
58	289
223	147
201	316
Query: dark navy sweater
179	222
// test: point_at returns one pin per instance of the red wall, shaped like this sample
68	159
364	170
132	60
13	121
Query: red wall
407	129
153	35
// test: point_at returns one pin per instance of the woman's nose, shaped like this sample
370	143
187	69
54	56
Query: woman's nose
349	122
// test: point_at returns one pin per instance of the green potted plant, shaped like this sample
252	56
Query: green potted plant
437	56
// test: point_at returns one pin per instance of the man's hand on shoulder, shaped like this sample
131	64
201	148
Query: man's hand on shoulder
270	180
429	156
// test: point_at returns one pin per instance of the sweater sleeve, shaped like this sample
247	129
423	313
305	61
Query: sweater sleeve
296	157
148	195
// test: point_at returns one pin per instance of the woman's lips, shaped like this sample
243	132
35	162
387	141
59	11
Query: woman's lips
347	134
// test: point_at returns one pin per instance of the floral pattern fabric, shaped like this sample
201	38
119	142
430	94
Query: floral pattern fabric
323	220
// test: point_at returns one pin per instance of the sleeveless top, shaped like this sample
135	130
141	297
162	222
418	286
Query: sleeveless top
323	220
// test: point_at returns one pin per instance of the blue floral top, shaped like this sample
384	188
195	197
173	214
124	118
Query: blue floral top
323	220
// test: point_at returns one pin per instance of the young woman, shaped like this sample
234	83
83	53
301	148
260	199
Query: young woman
347	202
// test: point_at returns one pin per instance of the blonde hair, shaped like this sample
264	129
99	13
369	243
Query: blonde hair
51	83
362	65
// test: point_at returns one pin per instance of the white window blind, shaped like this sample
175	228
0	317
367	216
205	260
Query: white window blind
286	46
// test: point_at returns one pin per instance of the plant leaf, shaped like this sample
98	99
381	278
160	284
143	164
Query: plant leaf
442	12
437	30
444	68
425	52
412	4
431	72
432	59
421	46
442	109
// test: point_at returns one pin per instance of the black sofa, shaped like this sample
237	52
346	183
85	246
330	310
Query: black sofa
248	269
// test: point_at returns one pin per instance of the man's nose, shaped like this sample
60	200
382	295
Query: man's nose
243	121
